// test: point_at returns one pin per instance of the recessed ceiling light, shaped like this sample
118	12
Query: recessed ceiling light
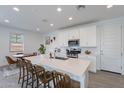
59	9
37	29
70	18
45	20
16	9
109	6
51	25
6	21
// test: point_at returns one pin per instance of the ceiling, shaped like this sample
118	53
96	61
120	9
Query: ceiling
31	17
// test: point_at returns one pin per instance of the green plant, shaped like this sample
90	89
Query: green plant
42	49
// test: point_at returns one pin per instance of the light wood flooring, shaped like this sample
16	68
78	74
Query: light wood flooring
103	79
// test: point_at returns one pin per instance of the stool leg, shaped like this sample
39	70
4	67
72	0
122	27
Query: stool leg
32	81
27	80
19	75
44	85
37	83
23	78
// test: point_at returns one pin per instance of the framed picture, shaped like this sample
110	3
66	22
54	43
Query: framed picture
47	40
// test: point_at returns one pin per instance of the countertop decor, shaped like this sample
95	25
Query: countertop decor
87	52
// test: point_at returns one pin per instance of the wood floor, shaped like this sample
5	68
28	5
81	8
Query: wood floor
103	79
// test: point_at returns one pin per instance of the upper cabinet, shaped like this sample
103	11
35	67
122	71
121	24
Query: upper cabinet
62	38
88	36
73	33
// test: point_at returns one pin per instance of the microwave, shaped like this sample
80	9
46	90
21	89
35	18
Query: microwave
73	42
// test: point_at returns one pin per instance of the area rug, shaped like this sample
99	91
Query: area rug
10	70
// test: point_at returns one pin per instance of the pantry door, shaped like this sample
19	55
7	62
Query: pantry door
111	47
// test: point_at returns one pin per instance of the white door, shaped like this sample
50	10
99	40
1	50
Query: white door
111	48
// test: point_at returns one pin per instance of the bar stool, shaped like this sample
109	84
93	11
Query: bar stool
61	80
43	77
22	72
30	74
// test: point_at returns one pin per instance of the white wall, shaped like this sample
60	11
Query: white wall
32	41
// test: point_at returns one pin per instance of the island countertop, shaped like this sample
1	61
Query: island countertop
72	66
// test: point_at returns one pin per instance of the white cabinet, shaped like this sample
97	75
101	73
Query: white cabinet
83	37
88	36
65	38
91	36
92	59
73	33
62	38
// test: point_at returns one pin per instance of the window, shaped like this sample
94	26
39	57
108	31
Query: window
16	42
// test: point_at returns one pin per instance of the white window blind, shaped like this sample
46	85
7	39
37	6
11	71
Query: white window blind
16	42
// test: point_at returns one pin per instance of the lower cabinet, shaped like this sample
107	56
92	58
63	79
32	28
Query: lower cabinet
92	59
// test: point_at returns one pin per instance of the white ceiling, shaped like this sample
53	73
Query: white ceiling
30	16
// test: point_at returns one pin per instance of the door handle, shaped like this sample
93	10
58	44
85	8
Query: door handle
101	52
121	54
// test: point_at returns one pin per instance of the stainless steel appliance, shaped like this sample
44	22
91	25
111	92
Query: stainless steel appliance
74	42
60	53
73	52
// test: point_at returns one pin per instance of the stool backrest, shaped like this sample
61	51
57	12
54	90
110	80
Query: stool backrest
61	80
10	60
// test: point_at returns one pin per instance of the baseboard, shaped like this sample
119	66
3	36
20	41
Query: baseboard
111	72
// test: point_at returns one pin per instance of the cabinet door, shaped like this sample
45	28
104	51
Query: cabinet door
88	36
63	38
60	39
92	67
83	37
92	60
73	34
91	36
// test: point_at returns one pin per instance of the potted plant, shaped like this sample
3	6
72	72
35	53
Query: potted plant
42	49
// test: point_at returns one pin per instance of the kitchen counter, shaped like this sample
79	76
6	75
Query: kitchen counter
77	69
92	59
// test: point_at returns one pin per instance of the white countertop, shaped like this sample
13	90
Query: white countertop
74	66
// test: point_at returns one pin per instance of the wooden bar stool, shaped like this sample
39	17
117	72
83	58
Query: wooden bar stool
43	77
30	74
21	64
61	80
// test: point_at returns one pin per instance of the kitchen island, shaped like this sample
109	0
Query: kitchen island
77	69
